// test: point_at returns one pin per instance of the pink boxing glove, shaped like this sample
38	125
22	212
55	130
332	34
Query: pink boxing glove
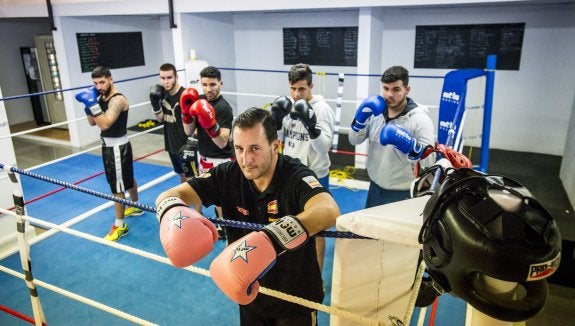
185	234
238	267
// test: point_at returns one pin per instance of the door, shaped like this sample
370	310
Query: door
50	78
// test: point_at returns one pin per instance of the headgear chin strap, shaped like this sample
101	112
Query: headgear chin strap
479	226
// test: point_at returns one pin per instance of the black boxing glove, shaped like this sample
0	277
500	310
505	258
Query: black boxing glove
156	97
280	108
303	112
188	152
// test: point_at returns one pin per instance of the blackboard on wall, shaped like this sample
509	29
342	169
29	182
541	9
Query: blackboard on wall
113	50
467	46
321	46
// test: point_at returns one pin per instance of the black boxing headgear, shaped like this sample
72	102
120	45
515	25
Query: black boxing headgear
479	226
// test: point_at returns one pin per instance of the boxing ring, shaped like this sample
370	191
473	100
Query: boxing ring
375	275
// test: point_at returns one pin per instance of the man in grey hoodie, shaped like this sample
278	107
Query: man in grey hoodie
387	120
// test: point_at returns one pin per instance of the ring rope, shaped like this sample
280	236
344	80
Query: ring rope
90	177
246	225
197	270
325	73
83	216
335	140
19	315
79	298
87	150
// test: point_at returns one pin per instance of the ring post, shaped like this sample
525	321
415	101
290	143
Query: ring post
24	246
488	108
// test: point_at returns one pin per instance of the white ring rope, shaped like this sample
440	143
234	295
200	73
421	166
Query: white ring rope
83	151
79	298
87	214
197	270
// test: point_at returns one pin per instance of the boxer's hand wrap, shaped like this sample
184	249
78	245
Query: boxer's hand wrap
166	204
287	233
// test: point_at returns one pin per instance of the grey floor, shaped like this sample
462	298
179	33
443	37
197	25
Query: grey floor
539	173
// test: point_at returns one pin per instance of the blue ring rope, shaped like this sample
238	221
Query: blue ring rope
237	224
16	97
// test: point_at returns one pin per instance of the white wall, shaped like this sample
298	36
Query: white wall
154	40
532	106
259	45
16	33
534	101
212	36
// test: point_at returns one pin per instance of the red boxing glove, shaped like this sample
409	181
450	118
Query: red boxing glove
237	269
188	97
185	234
207	117
454	157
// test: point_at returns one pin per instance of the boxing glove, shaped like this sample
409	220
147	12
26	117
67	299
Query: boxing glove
302	111
185	234
372	106
188	151
237	269
279	109
395	135
156	97
206	117
457	159
188	97
89	97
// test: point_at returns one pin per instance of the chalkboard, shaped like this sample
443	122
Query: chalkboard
113	50
321	46
467	46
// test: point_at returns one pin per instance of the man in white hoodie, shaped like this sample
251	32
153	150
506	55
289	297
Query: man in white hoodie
306	129
388	120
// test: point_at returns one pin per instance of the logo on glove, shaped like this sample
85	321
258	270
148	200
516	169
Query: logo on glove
177	220
241	251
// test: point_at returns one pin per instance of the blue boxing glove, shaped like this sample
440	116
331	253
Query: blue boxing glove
372	106
89	97
395	135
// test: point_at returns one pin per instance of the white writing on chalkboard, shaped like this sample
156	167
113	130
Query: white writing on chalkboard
327	46
114	50
467	46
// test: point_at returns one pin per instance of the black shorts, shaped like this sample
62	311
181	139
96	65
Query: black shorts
182	166
119	167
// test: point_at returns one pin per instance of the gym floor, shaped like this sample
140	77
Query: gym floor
538	172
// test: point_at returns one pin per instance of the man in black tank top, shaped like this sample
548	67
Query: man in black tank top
108	109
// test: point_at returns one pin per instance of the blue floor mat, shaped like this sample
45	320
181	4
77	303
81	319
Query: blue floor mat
69	203
148	289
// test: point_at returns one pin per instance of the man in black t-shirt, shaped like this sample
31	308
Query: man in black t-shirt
165	100
213	142
261	186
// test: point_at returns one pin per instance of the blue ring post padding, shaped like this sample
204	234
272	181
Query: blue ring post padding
488	108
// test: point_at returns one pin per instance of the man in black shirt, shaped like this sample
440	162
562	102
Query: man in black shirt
165	100
264	187
214	135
